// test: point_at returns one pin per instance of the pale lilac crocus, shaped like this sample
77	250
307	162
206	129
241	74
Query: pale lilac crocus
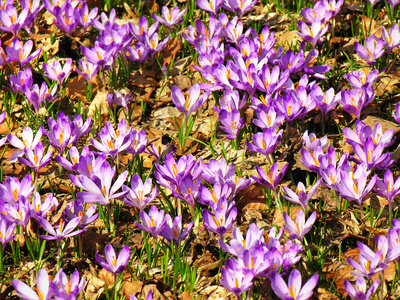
190	102
362	78
57	72
22	81
113	141
13	190
272	178
138	142
372	50
89	70
269	119
355	100
313	33
37	95
234	279
153	222
367	267
387	188
61	231
113	263
300	196
39	209
84	17
293	290
36	159
13	22
221	220
355	189
139	194
28	140
6	232
231	123
238	244
99	189
211	6
22	52
61	133
266	141
239	6
65	288
99	56
170	17
43	290
391	39
172	230
299	228
87	217
360	291
80	128
65	18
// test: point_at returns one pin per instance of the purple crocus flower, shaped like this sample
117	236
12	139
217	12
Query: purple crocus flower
367	267
22	52
153	43
113	141
234	279
11	21
99	56
313	33
392	3
140	194
148	297
392	39
36	96
99	189
36	159
61	231
372	50
28	140
57	72
65	19
65	288
89	70
387	188
43	290
13	190
175	171
189	103
173	229
142	28
87	217
218	192
273	178
355	100
333	5
360	292
299	228
80	128
320	13
363	78
39	209
326	101
265	142
107	22
138	142
300	196
372	155
271	81
231	123
239	6
311	142
221	220
355	189
170	17
211	6
24	80
238	244
138	54
61	133
269	119
153	222
6	232
84	17
295	291
114	264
